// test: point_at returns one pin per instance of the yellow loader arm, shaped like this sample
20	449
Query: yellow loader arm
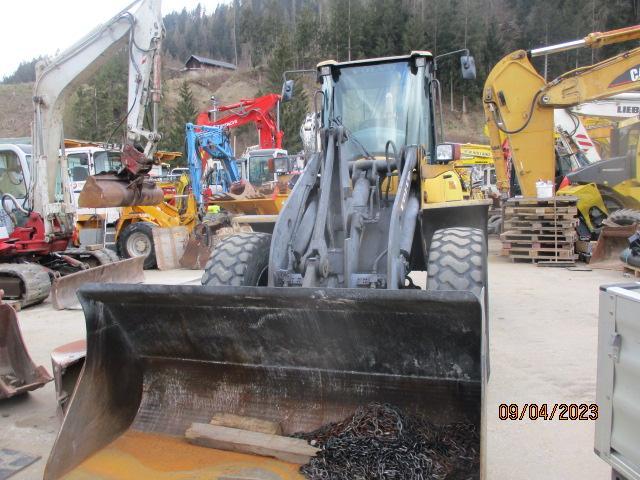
519	103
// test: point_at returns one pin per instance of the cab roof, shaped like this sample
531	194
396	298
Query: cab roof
368	61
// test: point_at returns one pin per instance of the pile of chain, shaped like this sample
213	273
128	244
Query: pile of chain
381	442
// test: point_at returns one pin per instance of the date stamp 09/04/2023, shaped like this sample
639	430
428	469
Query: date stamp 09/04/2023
548	411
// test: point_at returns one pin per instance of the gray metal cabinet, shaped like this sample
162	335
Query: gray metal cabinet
617	438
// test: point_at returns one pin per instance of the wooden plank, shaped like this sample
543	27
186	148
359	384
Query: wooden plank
516	237
540	224
551	211
246	423
293	450
560	199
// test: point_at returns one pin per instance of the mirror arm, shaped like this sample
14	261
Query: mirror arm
291	72
435	59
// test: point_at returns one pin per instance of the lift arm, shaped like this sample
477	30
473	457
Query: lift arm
56	81
519	104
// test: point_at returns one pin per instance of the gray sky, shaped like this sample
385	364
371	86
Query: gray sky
42	27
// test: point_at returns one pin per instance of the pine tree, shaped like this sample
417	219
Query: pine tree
185	111
292	113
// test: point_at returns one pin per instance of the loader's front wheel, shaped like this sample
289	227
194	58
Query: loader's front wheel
241	259
457	260
136	240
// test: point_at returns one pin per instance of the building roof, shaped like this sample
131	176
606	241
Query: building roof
213	63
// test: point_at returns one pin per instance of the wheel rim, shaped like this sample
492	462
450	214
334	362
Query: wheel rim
138	245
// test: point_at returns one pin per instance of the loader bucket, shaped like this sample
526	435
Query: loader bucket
160	358
18	373
109	190
64	289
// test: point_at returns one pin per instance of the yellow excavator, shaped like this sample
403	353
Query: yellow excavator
519	104
304	325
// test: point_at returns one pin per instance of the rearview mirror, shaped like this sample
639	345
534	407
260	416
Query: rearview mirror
287	90
468	65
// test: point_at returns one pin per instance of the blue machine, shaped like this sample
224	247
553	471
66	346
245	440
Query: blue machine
214	141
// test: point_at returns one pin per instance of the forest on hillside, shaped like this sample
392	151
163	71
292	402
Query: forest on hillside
270	36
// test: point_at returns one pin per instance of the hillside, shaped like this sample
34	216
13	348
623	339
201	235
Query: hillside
228	87
15	114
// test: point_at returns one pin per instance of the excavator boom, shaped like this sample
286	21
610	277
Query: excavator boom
519	103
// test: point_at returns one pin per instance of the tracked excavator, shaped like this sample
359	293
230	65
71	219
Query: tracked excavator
40	224
303	326
519	104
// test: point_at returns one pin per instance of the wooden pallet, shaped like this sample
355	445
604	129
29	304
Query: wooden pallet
540	230
630	269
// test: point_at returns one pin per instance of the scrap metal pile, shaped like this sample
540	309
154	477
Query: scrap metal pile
382	442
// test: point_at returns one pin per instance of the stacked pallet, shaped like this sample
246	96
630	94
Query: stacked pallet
540	230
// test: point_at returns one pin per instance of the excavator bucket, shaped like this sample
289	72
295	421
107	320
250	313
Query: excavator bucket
64	289
18	373
160	358
109	190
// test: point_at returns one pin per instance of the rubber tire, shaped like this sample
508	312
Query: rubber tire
458	260
240	260
625	216
145	228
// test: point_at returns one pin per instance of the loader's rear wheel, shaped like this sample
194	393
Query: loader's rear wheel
457	260
241	259
136	240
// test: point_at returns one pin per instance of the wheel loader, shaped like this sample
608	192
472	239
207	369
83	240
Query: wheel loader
303	326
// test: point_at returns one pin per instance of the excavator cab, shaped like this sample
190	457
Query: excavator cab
341	323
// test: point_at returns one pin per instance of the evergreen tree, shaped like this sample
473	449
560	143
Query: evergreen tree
185	111
26	72
292	113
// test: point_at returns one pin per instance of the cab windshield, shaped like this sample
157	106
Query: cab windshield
107	161
378	103
11	176
259	172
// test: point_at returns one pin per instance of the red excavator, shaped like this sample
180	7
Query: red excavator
249	110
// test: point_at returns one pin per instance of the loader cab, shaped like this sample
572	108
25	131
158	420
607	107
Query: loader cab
379	101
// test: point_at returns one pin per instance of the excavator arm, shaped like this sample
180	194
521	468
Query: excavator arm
519	104
253	110
142	31
215	142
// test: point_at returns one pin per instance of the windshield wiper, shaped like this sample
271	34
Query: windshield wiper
352	137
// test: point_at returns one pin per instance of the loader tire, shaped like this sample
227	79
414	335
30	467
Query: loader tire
241	259
624	216
136	240
457	260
